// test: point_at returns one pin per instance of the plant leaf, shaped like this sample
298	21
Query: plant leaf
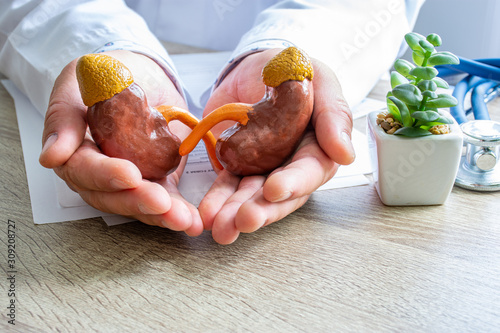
426	116
412	39
403	111
443	58
427	85
403	66
424	73
443	101
441	83
393	109
426	45
418	57
430	94
434	39
439	121
412	132
397	79
444	119
408	93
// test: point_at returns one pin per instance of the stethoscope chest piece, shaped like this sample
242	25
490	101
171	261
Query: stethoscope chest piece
480	165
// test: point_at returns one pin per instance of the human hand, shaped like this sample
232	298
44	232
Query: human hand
111	184
234	204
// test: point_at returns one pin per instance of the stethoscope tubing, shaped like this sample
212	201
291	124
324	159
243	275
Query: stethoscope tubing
483	80
488	68
477	99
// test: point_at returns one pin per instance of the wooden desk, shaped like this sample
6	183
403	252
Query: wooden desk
343	262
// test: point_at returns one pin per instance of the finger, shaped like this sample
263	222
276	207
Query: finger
90	170
309	169
258	212
182	215
332	117
196	227
221	190
224	229
177	218
151	203
148	199
65	120
334	135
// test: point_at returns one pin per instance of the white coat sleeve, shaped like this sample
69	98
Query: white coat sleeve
39	37
358	39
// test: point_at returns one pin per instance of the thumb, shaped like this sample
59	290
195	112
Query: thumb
332	118
65	121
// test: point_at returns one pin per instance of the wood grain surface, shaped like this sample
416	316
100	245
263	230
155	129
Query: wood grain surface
344	262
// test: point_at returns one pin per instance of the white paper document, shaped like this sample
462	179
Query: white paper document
51	199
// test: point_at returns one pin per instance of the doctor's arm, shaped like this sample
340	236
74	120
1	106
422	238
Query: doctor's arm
39	47
345	70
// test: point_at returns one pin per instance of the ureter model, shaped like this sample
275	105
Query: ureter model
266	133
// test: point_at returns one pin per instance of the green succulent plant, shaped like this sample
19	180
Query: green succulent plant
413	100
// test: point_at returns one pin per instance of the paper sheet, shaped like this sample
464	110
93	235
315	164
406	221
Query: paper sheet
51	199
41	181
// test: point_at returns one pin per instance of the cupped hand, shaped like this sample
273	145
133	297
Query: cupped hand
235	205
110	184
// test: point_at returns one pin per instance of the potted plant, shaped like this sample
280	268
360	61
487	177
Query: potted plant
415	145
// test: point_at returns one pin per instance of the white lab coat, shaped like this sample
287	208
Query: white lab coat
358	39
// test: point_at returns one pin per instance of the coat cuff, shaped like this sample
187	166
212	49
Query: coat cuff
163	60
242	52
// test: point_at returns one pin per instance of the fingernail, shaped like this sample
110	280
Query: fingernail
145	209
49	142
283	196
181	220
348	144
120	184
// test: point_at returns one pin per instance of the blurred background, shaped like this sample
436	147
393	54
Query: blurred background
469	28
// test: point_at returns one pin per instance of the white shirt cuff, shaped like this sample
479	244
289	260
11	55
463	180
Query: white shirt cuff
244	51
164	61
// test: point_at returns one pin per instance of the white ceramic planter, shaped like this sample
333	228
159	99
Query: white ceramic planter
413	171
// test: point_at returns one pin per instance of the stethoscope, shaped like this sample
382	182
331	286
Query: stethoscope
480	164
